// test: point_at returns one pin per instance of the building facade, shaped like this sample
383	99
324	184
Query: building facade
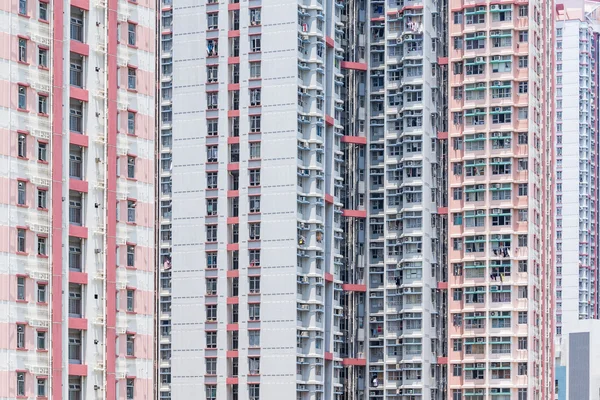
308	200
500	324
76	154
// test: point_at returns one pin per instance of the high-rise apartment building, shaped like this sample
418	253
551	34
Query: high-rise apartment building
576	187
77	203
308	200
500	169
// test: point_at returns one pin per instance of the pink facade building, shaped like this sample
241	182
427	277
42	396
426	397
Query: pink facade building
500	298
77	199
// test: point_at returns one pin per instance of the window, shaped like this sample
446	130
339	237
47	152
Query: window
254	123
42	151
211	233
130	389
212	153
522	292
130	255
41	293
75	299
42	246
211	206
522	394
77	24
523	62
22	97
42	198
211	366
21	193
255	16
254	258
254	150
211	338
41	387
130	344
254	177
254	231
254	338
255	44
255	70
131	78
254	204
43	55
254	284
523	36
211	312
255	97
20	383
212	21
254	391
522	343
254	312
43	11
20	288
22	50
20	336
75	388
456	369
21	241
76	70
211	286
41	340
131	122
130	300
212	100
130	167
212	127
22	146
131	211
211	392
253	365
523	87
131	34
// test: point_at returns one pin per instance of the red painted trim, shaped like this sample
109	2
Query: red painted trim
329	120
329	199
78	323
80	48
328	277
354	139
356	66
328	355
233	193
78	369
442	285
232	34
233	220
233	246
233	60
350	287
442	135
442	210
442	360
234	273
443	60
233	140
354	361
78	231
354	213
233	300
233	167
233	86
79	140
233	113
85	4
233	327
232	381
329	41
233	6
78	277
79	186
80	94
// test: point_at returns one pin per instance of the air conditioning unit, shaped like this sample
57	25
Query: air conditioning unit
300	359
480	59
480	340
492	313
495	7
